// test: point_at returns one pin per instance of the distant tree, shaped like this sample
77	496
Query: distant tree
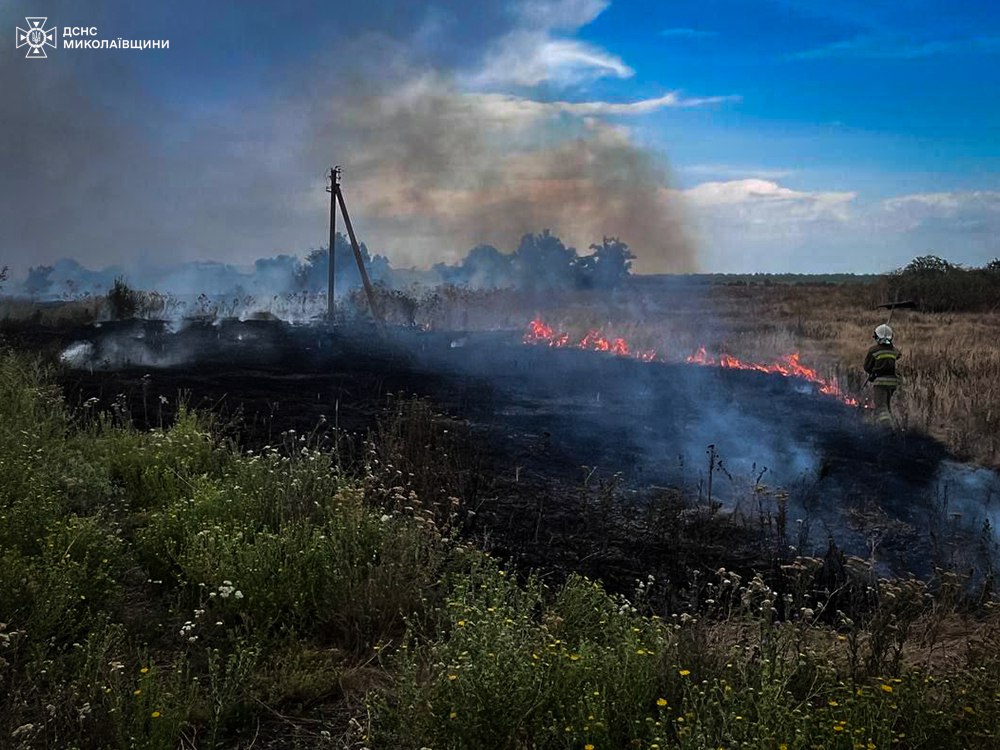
542	261
3	276
277	273
38	281
941	286
929	264
484	267
610	264
311	274
123	301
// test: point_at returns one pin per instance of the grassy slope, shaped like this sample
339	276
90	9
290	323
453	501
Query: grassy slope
164	589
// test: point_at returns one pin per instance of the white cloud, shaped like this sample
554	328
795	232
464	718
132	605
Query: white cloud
762	225
975	212
947	204
568	15
541	49
515	108
758	200
529	58
734	171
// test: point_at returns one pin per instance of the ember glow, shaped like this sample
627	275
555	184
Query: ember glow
790	366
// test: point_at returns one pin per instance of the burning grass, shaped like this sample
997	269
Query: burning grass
789	365
949	367
166	589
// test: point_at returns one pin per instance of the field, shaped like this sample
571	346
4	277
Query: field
950	363
358	570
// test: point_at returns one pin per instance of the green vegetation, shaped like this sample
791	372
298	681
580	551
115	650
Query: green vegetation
165	589
940	286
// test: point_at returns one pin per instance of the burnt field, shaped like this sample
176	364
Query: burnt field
564	460
256	534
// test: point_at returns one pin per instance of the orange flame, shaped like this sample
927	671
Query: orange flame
538	332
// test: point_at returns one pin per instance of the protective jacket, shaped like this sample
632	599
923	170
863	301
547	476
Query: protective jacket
880	364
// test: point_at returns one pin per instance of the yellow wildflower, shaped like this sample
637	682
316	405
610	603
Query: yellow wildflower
661	702
156	714
684	672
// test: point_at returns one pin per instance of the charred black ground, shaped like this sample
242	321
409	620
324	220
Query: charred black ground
591	462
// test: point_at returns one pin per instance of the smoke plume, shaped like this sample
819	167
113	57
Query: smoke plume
111	159
437	170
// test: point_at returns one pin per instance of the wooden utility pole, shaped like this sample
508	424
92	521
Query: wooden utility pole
337	197
331	276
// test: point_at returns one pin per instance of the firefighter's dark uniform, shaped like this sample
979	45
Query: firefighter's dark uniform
880	364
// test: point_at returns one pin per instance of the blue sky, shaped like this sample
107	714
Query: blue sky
718	135
902	94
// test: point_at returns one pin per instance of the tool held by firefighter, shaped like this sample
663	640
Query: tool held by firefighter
880	364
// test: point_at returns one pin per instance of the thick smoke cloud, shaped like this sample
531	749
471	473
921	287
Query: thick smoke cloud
446	169
140	159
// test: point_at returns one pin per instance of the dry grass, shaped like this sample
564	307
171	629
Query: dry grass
950	366
62	313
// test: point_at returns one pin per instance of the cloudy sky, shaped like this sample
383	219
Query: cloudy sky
717	135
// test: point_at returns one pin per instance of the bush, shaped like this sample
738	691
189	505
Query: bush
123	301
939	286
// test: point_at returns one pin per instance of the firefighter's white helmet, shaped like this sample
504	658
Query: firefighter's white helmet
884	334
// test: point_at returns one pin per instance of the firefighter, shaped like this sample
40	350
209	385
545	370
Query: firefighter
880	364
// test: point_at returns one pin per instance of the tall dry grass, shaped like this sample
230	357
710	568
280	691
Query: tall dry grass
950	366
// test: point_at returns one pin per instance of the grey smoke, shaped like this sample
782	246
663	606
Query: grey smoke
107	160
